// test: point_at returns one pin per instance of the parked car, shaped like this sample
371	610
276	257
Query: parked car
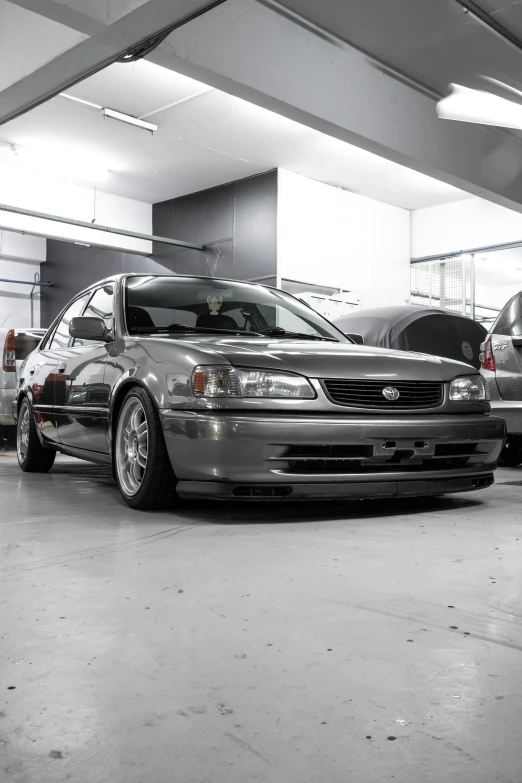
16	345
502	368
421	329
206	388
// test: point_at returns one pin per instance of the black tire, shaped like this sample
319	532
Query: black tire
511	454
158	483
35	459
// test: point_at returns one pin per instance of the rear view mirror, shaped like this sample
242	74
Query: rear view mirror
357	338
86	327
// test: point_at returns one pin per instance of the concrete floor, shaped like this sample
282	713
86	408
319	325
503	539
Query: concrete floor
345	644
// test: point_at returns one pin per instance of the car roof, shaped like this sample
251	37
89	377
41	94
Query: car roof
398	312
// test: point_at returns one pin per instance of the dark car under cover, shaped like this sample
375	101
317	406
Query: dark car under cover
419	329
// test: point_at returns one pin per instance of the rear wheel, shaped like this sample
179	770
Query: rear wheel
143	471
511	454
32	457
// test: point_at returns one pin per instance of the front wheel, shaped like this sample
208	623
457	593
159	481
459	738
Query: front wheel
511	454
32	457
143	469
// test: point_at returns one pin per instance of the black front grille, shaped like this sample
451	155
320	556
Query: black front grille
355	459
369	394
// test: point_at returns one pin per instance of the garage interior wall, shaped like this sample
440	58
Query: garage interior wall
21	254
328	236
471	222
72	267
20	258
236	223
65	199
474	222
273	226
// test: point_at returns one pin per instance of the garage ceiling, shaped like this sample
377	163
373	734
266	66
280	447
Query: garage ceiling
432	41
205	138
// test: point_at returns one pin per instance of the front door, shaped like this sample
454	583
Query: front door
83	405
44	374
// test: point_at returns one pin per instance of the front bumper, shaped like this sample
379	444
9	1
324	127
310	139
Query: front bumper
271	456
6	412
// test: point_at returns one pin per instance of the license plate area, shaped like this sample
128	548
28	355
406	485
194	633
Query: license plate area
403	448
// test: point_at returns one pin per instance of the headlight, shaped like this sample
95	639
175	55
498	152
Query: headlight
469	389
236	382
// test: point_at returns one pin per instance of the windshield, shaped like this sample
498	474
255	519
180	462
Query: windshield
219	306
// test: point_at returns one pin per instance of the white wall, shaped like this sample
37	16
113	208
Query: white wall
328	236
465	224
20	257
42	194
471	223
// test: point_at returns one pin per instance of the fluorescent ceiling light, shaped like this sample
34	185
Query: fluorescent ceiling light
118	115
466	105
63	166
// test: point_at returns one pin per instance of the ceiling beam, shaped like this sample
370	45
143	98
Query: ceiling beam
63	15
103	48
247	49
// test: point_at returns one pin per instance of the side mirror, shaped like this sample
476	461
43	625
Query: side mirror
357	338
86	327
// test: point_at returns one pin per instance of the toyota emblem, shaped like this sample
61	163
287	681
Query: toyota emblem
391	393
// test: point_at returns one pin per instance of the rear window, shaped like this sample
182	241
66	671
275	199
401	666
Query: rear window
509	321
25	343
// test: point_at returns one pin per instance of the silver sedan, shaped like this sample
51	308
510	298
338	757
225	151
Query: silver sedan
196	387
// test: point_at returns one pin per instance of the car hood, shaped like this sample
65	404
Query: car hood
318	359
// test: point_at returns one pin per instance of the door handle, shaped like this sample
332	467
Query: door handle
61	367
31	372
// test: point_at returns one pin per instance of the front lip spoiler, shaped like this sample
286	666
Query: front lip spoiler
363	490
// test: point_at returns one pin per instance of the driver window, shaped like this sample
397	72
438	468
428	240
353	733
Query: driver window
101	305
61	336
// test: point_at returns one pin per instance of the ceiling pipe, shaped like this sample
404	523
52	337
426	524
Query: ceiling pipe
26	282
36	283
48	235
488	21
93	227
469	251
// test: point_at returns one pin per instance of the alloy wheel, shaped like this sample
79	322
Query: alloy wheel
22	435
132	446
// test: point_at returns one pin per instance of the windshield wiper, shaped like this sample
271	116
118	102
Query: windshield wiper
179	328
278	331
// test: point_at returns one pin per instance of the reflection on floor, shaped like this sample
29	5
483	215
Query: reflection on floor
340	643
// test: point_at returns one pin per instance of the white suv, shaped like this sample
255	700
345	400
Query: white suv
15	346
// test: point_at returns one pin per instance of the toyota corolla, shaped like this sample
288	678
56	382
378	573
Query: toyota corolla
197	387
